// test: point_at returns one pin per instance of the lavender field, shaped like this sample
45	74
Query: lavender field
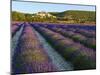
47	47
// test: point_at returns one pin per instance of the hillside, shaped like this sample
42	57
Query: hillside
70	16
76	14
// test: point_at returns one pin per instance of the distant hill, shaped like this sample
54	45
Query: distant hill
76	14
73	12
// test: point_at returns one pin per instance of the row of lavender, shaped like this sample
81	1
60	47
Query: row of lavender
83	36
15	27
29	55
16	34
82	57
88	31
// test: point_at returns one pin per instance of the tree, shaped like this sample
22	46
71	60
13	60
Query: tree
17	16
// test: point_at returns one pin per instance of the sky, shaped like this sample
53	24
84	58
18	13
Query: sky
34	7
